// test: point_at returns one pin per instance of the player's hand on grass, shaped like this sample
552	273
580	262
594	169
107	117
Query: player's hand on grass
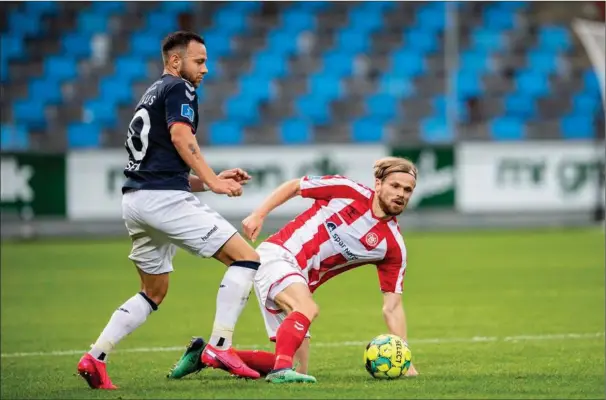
226	186
252	226
411	371
237	174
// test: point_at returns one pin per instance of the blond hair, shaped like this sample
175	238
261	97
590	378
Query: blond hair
388	165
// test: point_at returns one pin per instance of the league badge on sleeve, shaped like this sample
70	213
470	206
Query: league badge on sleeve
187	112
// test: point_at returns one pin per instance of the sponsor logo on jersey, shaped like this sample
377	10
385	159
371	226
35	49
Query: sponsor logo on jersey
187	112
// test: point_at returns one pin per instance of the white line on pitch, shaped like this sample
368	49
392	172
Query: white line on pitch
475	339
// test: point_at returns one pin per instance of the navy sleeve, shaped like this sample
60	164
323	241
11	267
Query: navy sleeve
180	104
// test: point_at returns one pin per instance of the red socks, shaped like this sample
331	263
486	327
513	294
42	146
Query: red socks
260	361
289	337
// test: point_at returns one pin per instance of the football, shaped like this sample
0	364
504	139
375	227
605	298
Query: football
387	357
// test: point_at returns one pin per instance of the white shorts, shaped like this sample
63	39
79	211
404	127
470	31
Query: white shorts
278	270
159	221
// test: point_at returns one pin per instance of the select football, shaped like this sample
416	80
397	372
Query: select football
387	357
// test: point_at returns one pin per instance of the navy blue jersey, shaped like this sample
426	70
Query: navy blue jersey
153	160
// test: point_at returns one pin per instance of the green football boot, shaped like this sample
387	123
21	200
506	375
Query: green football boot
190	361
288	375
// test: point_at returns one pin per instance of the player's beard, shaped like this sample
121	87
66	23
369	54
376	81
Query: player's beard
187	77
387	209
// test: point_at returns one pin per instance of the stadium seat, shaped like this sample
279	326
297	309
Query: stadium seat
367	130
30	113
384	6
322	85
91	22
80	136
100	112
281	42
268	65
179	6
310	6
218	42
586	103
60	68
115	90
591	84
40	7
13	138
577	126
352	40
297	20
295	131
507	128
242	109
400	87
420	40
474	61
545	62
436	130
162	22
431	19
47	90
520	106
22	23
408	63
245	6
313	108
224	133
382	107
554	38
469	84
76	45
487	40
132	68
338	63
259	88
11	46
499	17
365	19
440	106
230	20
532	83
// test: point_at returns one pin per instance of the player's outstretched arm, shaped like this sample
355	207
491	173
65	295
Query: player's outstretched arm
237	174
395	318
254	222
188	149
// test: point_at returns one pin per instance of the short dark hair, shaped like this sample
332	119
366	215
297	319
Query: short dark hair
179	39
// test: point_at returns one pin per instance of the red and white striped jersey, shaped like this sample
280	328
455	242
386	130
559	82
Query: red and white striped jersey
340	232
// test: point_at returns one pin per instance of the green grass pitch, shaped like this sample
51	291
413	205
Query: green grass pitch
512	314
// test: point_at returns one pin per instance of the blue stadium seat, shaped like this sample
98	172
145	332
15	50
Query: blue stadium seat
81	136
224	133
179	6
338	63
218	42
326	86
400	87
47	90
131	68
520	106
115	90
431	18
91	22
513	5
420	40
269	65
40	7
311	5
13	138
162	22
507	128
475	61
383	107
364	19
436	130
591	83
30	113
313	108
554	38
242	109
575	126
367	130
487	40
545	62
295	131
100	112
109	7
281	41
352	40
295	20
408	63
469	84
76	45
11	46
245	6
499	17
532	83
22	23
230	20
60	68
377	5
440	106
586	103
256	87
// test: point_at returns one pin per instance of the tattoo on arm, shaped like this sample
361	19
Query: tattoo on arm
192	148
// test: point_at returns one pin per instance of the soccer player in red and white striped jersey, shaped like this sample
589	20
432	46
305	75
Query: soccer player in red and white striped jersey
347	226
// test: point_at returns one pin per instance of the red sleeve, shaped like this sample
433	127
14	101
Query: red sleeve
332	186
393	267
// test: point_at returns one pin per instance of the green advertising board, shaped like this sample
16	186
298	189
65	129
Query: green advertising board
436	181
32	184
